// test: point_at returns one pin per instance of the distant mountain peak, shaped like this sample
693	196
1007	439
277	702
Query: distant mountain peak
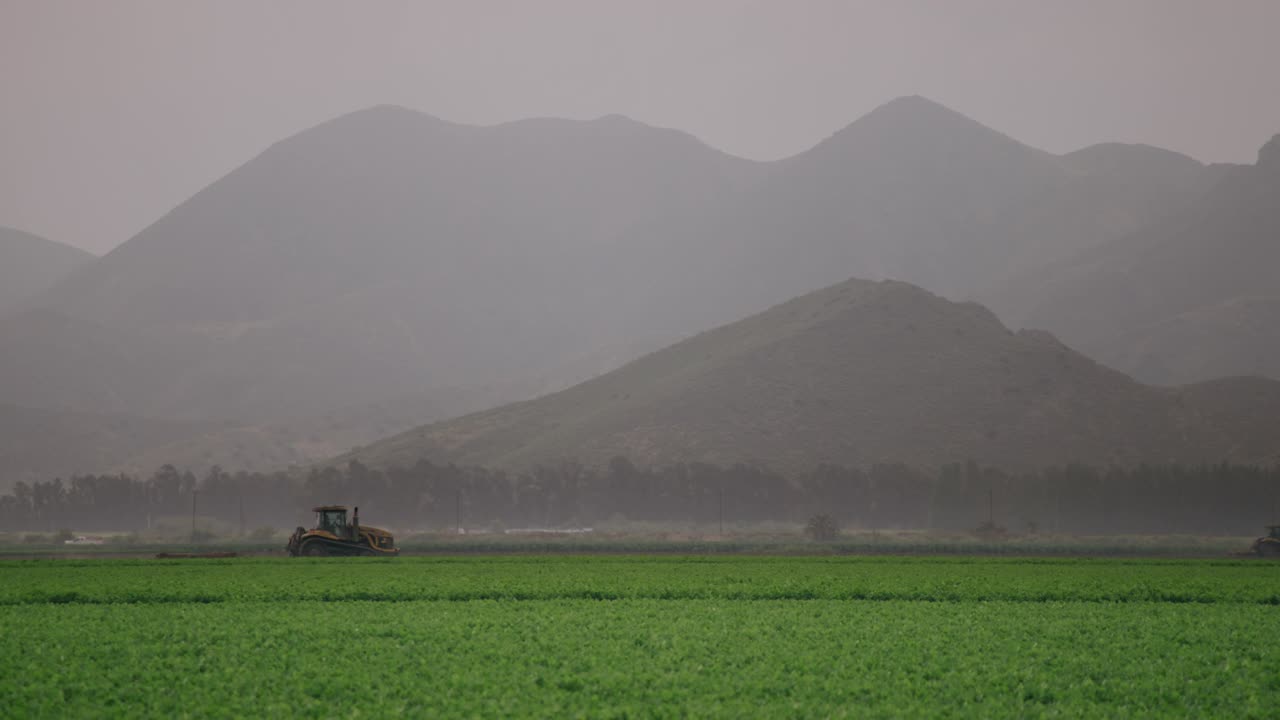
616	119
1135	162
1118	150
918	109
1269	154
386	111
389	108
915	103
375	120
916	121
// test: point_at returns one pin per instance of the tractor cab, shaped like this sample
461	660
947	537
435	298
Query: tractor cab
1274	531
331	518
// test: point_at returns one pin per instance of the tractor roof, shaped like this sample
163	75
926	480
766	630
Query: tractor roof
322	508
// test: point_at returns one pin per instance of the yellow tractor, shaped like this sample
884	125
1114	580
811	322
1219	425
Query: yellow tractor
332	535
1268	546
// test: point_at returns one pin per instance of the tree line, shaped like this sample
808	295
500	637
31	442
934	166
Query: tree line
1075	499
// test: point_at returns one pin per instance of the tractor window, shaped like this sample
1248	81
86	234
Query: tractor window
332	520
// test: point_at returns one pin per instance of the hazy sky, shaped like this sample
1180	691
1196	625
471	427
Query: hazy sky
111	113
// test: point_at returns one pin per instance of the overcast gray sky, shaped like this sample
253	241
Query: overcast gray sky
114	112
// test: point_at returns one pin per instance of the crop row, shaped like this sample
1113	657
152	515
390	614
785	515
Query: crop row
709	658
621	578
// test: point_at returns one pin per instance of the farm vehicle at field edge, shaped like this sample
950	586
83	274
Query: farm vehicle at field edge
1268	546
334	536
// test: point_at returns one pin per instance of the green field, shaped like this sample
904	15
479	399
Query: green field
640	636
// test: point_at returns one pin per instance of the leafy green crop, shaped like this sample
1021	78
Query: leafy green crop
614	578
640	636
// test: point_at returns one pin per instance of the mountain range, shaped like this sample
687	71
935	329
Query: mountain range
388	264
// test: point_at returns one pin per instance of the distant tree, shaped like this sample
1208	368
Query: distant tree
821	528
1212	499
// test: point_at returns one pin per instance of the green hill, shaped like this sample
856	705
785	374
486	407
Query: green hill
860	373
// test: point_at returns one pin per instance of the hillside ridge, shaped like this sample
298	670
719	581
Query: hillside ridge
858	373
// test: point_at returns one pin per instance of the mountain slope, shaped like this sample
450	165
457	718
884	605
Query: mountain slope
54	360
1201	266
31	264
1114	189
1140	164
38	444
1231	338
858	373
388	195
911	191
388	251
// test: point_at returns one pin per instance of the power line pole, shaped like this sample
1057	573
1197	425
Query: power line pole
722	509
457	511
194	493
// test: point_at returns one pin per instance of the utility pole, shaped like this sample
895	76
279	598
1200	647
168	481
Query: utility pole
194	493
241	513
1275	493
722	509
457	511
991	501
